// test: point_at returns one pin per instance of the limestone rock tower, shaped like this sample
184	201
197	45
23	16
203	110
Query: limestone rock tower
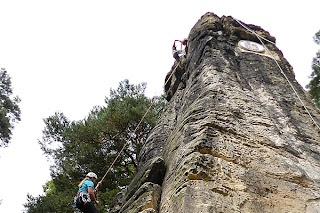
234	136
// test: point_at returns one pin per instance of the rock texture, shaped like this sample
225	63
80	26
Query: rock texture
233	137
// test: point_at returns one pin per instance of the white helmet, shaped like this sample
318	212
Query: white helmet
92	175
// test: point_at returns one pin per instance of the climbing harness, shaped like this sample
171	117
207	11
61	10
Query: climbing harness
260	39
82	198
100	182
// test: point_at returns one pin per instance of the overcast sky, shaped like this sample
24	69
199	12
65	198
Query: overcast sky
65	55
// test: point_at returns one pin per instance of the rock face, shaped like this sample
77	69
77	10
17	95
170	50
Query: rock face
233	137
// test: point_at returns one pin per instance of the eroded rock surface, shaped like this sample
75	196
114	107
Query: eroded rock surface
234	137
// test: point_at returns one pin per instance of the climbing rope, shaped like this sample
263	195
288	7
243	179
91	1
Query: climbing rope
100	182
247	28
260	39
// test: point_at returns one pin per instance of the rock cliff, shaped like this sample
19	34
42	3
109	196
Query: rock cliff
234	137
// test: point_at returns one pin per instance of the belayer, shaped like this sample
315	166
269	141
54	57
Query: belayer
86	198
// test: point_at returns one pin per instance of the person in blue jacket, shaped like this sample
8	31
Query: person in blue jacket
86	198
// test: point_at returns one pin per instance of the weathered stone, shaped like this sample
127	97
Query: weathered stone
118	201
148	211
151	173
233	137
145	199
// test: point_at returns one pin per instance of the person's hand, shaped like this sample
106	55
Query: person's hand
98	185
97	202
96	189
184	41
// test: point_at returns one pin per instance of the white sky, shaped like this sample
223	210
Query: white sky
65	55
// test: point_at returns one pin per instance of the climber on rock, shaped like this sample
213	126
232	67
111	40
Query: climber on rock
183	49
86	197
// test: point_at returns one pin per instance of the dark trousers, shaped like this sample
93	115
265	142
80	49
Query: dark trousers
87	208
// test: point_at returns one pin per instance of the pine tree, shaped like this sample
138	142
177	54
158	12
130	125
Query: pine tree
9	109
92	144
314	85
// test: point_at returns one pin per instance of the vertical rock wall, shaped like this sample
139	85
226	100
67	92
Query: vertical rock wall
234	137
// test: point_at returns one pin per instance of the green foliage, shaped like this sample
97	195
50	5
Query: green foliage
92	144
55	202
314	84
316	37
49	188
9	109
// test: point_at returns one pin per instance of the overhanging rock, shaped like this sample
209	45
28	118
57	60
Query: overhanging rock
233	137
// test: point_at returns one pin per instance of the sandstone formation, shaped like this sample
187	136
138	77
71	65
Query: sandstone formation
233	137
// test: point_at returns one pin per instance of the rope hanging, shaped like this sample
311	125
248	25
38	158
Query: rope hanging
260	37
100	182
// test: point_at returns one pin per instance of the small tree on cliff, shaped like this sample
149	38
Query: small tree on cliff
9	109
92	144
314	84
